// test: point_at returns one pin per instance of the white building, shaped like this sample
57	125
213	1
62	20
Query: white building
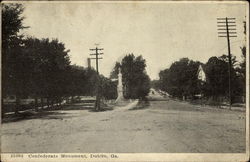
201	74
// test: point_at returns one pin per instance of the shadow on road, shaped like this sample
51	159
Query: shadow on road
78	106
55	113
141	105
34	115
102	109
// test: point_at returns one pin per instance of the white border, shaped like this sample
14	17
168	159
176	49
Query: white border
227	157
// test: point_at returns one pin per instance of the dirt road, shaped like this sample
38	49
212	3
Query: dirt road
163	127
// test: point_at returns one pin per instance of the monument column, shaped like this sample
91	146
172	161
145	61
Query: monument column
119	87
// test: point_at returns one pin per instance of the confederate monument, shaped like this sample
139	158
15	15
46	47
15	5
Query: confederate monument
119	87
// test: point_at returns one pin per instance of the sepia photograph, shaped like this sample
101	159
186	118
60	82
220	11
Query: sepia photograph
124	80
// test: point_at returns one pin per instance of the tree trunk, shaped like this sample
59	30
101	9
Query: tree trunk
36	104
48	106
57	103
42	103
17	104
3	109
52	103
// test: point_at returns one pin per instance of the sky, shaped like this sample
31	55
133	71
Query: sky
161	32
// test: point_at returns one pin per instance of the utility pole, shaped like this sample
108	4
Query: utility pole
96	54
227	28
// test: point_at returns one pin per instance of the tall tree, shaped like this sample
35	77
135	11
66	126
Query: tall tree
217	74
181	78
12	23
135	80
12	60
108	88
49	64
218	79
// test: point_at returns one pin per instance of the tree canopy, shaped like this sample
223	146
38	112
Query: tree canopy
12	23
181	78
135	80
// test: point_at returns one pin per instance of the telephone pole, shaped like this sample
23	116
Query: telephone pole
227	28
96	54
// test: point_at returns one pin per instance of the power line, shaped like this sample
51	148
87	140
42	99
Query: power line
96	54
227	28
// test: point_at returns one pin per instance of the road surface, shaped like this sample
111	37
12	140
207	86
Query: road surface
165	126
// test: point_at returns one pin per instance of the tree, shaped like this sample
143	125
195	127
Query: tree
12	23
225	59
108	88
217	75
241	70
155	84
82	81
115	71
217	71
54	65
12	60
135	80
180	79
218	79
37	68
91	83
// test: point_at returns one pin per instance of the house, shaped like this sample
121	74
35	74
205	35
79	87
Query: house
201	74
